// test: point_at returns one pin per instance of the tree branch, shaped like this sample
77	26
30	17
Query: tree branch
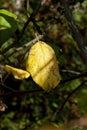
30	19
20	93
29	43
74	77
69	95
75	32
67	98
17	93
25	46
70	71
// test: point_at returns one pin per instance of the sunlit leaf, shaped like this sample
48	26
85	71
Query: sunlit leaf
42	65
17	73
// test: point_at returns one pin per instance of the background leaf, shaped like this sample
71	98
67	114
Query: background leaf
8	25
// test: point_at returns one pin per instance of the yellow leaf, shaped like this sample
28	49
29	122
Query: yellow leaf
42	65
17	73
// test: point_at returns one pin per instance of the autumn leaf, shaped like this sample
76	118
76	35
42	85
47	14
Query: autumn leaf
42	65
17	73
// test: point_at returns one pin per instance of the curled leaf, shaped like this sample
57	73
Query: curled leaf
42	65
17	73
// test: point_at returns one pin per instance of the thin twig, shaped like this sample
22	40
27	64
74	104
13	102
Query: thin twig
67	98
29	43
75	32
5	86
26	45
37	27
18	93
40	90
74	77
30	19
31	91
70	71
69	95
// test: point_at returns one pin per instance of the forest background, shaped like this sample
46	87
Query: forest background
63	25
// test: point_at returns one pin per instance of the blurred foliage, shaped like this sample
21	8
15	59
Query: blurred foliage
8	25
35	108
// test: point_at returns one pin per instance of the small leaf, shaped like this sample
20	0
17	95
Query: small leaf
8	25
17	73
42	65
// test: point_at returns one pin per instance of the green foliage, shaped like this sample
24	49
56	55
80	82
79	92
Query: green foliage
8	25
32	107
80	15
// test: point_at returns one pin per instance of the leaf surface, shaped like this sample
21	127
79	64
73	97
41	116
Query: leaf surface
8	25
42	65
17	73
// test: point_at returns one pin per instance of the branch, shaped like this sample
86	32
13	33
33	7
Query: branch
17	93
69	95
20	93
75	32
70	71
37	27
29	43
25	46
5	86
74	77
67	98
30	19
